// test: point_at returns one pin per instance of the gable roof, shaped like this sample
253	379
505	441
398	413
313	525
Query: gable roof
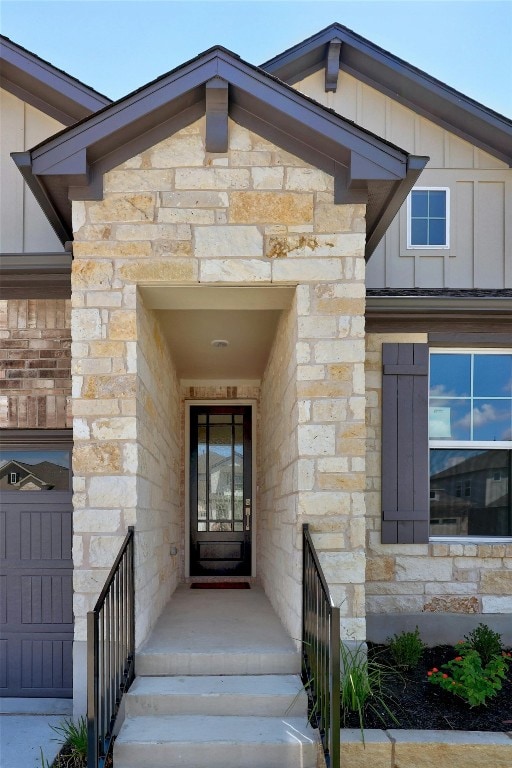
399	80
71	164
45	87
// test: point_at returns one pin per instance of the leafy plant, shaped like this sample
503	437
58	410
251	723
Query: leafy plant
406	648
485	642
361	685
467	677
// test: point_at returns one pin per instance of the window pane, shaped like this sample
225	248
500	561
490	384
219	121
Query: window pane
470	493
437	232
450	375
201	476
419	232
492	376
437	203
449	419
34	471
419	202
492	419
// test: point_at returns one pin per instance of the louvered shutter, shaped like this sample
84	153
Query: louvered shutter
405	475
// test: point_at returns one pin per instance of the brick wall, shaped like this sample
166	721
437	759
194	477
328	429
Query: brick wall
35	377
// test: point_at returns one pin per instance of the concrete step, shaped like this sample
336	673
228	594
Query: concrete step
261	695
237	662
215	742
218	632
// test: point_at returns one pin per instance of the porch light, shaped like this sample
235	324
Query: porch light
220	343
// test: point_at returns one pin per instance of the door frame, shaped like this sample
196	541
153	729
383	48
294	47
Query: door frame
253	405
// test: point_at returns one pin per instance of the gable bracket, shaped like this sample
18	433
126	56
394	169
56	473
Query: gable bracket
217	102
332	64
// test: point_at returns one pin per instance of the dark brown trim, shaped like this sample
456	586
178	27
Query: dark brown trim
402	82
45	87
35	276
70	164
470	339
217	94
36	438
332	65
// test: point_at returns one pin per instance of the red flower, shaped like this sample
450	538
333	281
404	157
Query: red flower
445	676
458	658
429	674
435	669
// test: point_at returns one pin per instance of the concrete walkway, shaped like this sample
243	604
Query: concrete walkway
25	730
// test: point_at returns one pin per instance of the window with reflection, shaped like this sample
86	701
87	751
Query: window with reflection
470	432
220	472
38	470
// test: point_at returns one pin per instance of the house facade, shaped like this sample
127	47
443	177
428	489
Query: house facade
234	292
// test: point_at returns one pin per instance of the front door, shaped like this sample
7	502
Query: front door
220	490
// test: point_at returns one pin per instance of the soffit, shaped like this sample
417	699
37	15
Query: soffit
71	164
401	81
189	334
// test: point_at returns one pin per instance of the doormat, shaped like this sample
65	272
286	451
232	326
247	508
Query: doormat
220	585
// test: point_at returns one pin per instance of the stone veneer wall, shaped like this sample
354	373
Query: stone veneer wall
158	515
35	377
176	215
423	578
278	542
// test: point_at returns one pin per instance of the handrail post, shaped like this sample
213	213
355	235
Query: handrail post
321	649
92	690
334	748
115	611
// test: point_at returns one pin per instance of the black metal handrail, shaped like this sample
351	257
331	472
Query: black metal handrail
110	653
321	651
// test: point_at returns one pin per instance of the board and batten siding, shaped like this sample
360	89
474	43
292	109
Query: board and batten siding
480	252
23	226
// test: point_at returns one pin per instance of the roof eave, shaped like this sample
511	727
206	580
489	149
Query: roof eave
415	165
58	223
70	165
401	81
45	87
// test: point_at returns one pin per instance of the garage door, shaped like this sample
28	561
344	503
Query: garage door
36	612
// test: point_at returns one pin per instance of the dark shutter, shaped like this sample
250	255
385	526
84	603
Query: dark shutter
405	477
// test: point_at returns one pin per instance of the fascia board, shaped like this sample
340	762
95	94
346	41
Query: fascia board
416	305
416	163
402	82
313	122
45	87
24	163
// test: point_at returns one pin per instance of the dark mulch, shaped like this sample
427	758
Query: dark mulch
416	703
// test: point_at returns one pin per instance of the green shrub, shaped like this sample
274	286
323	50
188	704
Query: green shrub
361	685
406	649
467	677
485	642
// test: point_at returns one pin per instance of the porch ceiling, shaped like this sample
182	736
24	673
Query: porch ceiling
249	334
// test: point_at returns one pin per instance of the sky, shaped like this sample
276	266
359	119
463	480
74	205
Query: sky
119	45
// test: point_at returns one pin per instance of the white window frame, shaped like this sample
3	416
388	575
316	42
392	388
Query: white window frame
469	444
446	246
13	478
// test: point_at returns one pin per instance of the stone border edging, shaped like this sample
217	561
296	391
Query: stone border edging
396	748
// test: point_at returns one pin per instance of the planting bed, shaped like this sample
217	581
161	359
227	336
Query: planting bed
418	704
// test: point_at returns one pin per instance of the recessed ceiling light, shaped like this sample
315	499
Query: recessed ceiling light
220	343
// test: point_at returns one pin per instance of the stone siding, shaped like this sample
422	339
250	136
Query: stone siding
177	215
278	540
423	578
35	376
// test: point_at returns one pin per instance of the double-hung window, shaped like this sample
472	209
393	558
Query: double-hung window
470	441
428	218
